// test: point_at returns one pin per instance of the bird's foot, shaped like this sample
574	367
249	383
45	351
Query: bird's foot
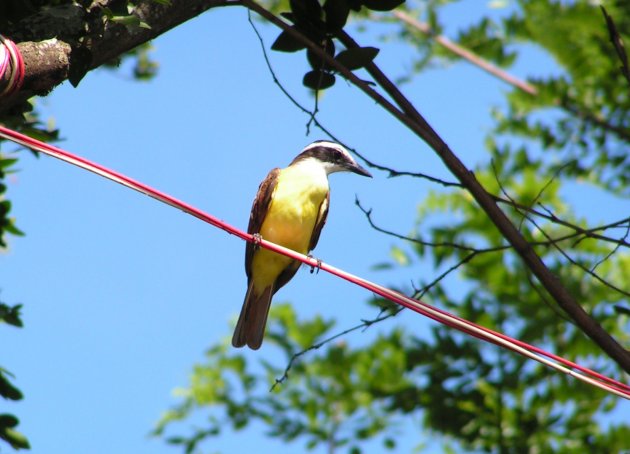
257	239
315	267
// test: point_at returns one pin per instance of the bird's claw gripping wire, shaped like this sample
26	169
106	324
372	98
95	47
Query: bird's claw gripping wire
257	238
314	267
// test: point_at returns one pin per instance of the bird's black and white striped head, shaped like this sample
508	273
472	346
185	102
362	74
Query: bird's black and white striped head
331	156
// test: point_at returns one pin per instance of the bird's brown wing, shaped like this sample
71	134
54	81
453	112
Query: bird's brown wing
257	216
290	270
321	220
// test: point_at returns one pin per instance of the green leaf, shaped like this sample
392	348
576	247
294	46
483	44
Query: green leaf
382	5
355	5
318	62
307	12
286	42
14	438
5	207
382	266
11	228
399	256
11	315
336	12
127	20
8	420
7	390
357	57
288	16
5	163
318	80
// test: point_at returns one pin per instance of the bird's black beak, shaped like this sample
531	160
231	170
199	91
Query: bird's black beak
356	168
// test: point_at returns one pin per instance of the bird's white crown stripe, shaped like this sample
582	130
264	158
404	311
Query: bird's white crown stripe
325	143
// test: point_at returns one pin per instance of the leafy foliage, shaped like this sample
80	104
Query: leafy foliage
322	403
321	24
7	224
11	316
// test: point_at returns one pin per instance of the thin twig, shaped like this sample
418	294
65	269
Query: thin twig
558	248
277	81
466	54
368	215
590	233
579	265
363	325
615	39
614	250
402	173
415	240
587	232
546	185
554	308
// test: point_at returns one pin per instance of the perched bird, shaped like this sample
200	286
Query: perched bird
290	209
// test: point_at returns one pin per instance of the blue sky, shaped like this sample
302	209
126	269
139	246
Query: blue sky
123	294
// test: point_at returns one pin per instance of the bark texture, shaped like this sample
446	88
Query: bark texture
65	42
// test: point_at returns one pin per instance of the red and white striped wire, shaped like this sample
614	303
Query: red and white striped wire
556	362
10	60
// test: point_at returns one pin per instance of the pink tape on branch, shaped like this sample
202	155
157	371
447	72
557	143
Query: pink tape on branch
11	67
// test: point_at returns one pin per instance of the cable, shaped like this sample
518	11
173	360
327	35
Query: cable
556	362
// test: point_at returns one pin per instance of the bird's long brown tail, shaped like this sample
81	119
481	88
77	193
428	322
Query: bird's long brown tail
250	328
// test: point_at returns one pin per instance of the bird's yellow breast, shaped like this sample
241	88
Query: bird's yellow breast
290	219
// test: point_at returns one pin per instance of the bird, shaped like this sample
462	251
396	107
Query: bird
290	209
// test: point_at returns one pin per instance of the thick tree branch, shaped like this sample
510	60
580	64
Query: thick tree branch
52	48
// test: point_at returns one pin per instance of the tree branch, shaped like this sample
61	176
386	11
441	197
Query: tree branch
617	42
586	232
363	325
53	48
525	216
466	54
522	85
